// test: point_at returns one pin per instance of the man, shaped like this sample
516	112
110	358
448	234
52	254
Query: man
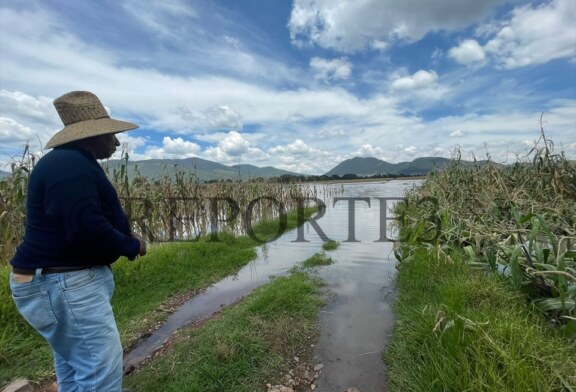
61	278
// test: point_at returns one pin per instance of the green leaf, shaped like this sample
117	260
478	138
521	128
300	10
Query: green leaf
555	304
524	218
545	267
515	272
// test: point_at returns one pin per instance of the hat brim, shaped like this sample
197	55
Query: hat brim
89	128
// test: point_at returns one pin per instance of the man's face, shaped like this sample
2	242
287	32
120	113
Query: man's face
103	146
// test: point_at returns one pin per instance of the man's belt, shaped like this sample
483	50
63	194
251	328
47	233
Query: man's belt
49	270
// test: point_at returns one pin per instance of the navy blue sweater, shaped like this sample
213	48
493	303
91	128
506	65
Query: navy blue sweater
73	215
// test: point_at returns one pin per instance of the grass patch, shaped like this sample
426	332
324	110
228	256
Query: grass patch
463	330
317	260
330	245
242	349
143	290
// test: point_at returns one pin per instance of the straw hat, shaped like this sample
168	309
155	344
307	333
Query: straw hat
84	116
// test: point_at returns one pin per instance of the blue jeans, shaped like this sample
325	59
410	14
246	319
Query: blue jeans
72	312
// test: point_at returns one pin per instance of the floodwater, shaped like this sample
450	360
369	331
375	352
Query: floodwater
358	319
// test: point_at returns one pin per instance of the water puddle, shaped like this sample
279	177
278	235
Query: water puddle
358	319
273	259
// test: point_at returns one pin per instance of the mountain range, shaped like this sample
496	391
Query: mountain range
202	169
205	170
368	167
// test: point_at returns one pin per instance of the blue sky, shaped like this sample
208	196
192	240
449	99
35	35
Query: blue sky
300	85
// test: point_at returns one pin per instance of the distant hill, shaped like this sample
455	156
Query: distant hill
367	167
265	172
202	169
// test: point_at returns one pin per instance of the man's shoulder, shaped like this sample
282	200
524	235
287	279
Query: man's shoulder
61	163
64	157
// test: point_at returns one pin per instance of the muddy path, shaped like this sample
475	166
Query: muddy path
358	318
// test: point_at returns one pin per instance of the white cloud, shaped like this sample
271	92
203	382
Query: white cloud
367	150
468	52
419	90
155	15
456	133
420	80
171	149
331	132
297	148
12	131
439	151
335	69
180	146
27	106
411	150
302	158
234	144
217	117
131	142
503	134
379	45
536	35
529	143
349	26
26	119
234	148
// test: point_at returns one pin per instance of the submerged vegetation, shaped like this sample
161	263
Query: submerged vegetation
317	260
330	245
487	278
177	207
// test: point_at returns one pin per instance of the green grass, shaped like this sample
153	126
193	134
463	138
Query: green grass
330	245
462	330
244	348
142	288
317	260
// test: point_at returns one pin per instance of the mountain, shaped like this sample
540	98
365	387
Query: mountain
201	169
367	167
3	174
265	172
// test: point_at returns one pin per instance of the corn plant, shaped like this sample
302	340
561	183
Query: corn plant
13	191
178	207
517	220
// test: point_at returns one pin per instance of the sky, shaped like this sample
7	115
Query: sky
299	85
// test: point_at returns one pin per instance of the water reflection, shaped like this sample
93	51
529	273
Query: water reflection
355	323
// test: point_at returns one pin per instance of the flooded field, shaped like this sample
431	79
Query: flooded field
358	318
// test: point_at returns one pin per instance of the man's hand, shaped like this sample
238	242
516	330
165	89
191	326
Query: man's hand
142	251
